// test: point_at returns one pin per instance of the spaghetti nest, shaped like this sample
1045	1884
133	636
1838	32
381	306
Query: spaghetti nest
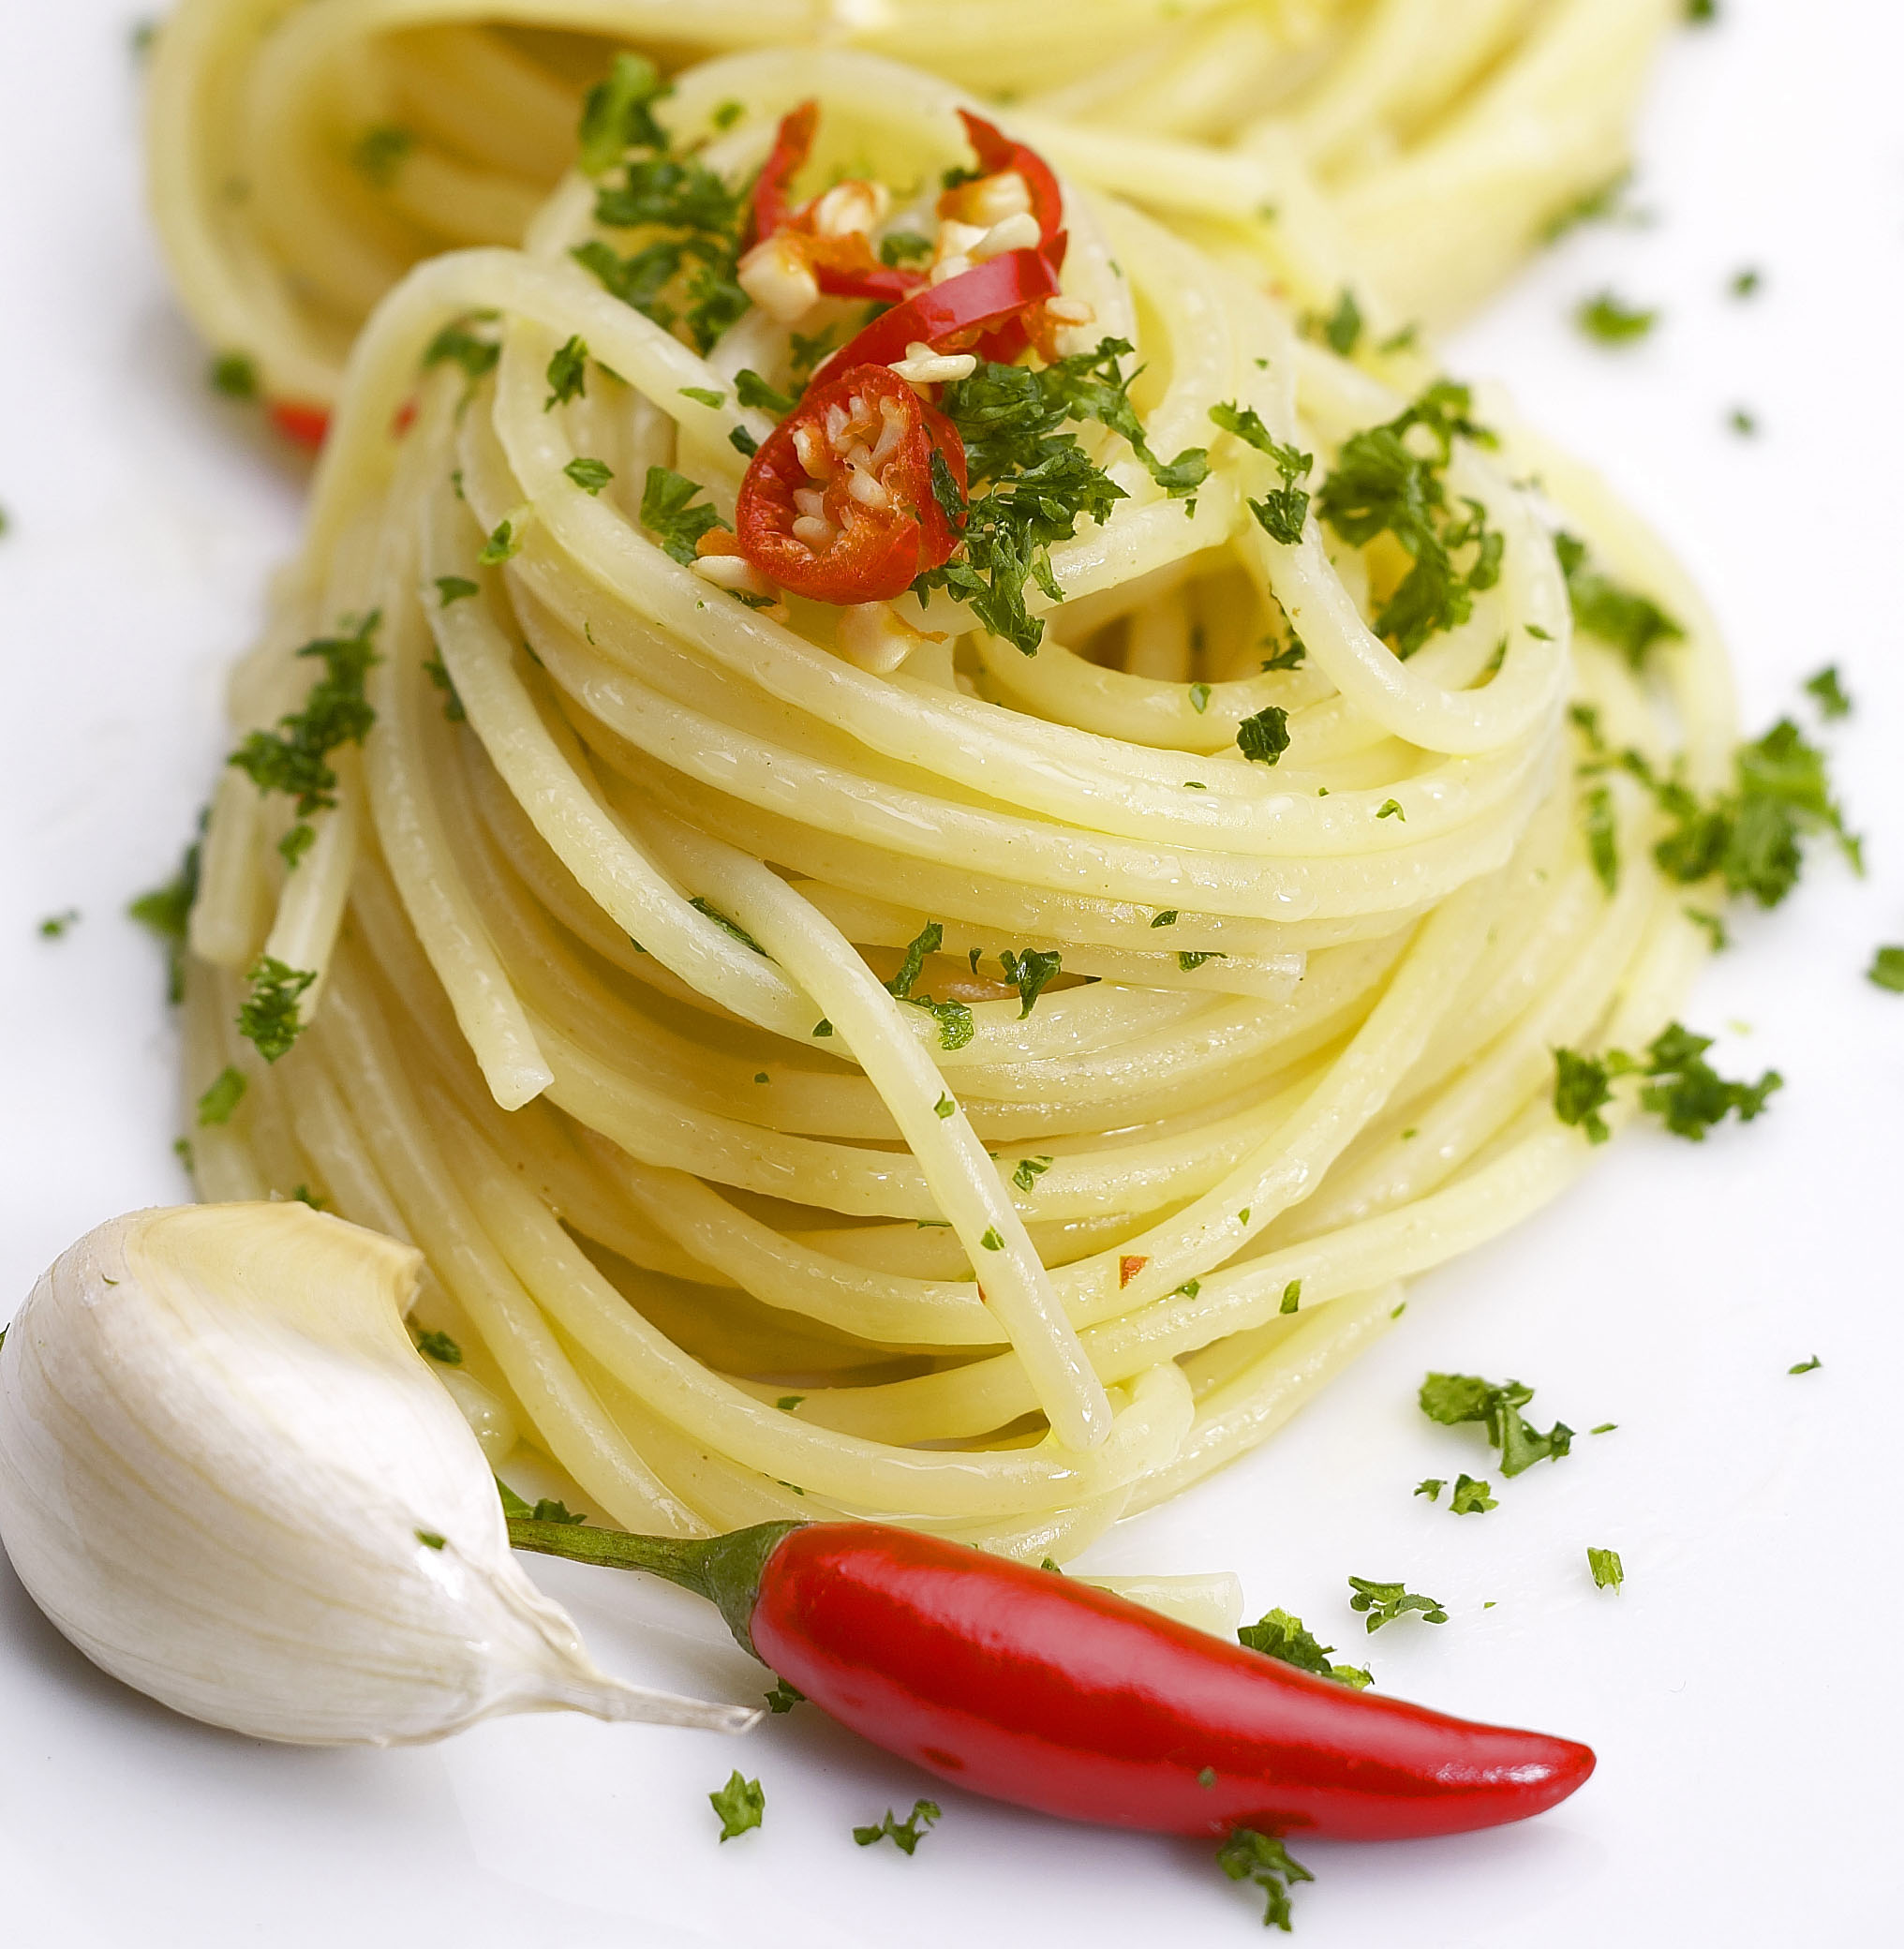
988	1082
303	157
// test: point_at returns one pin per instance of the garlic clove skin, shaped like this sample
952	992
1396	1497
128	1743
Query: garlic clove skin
229	1478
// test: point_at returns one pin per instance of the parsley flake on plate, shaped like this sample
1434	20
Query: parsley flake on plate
1277	1635
1385	1602
1250	1857
740	1804
904	1834
1453	1399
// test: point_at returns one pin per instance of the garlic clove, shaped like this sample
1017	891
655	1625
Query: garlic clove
229	1478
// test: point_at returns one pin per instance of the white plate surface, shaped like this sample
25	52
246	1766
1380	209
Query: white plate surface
1742	1691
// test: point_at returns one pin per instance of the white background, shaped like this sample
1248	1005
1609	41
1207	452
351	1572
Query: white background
1743	1692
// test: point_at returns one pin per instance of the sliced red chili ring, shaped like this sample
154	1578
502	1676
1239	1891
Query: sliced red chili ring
838	504
843	267
967	304
998	154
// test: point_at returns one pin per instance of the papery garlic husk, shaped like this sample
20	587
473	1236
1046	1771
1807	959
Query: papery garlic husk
224	1471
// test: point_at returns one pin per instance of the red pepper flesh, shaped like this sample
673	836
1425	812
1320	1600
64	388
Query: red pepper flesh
996	290
305	425
1028	1687
875	551
997	153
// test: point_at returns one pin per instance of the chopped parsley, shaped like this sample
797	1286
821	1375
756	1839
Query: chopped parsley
1830	692
166	911
268	1018
1609	1573
55	926
1745	283
504	542
956	1028
904	247
568	372
1290	658
1188	961
751	390
1602	838
784	1697
1806	1366
1250	1857
729	927
234	374
684	274
1282	510
452	703
455	588
590	476
1385	1602
991	1241
429	1538
1629	622
1029	1171
1200	698
1431	1487
1031	973
1596	206
1391	809
1292	1293
1277	1635
1167	918
457	345
1685	1091
440	1346
1610	321
1340	330
740	1804
1470	1498
1264	737
294	758
617	114
1383	483
224	1096
1039	482
378	154
944	1107
1742	423
1454	1398
667	516
904	1834
1887	969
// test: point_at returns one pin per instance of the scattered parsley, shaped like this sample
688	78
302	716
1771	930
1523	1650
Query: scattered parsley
455	588
1609	1573
1385	1602
1250	1857
1602	837
1029	1169
166	911
1277	1635
378	154
457	345
590	476
904	1834
1383	483
1605	318
1470	1498
303	1195
1264	737
1632	622
55	926
1887	969
1282	510
944	1107
1454	1398
1200	698
1596	206
438	672
268	1018
294	758
1431	1487
1830	692
1290	658
234	374
751	390
224	1096
1391	809
787	1403
904	247
1685	1091
1189	962
1167	919
429	1538
1701	13
1806	1366
956	1028
1292	1295
667	516
1746	283
1742	423
617	114
440	1348
1340	330
1040	482
505	541
740	1804
567	372
1031	973
729	927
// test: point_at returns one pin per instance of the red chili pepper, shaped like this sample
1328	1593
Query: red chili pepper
304	425
868	430
1033	1688
845	266
953	314
997	153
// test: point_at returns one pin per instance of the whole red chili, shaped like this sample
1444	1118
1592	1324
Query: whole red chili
1029	1687
838	504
